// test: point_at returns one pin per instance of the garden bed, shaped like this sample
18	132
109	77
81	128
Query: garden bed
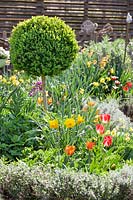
78	143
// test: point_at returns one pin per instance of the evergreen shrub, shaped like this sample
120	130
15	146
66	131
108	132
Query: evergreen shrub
42	46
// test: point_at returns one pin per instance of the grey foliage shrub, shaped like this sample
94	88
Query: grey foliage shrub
42	45
123	179
83	186
21	182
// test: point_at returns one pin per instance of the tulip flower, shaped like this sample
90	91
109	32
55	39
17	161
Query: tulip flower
100	129
107	141
105	118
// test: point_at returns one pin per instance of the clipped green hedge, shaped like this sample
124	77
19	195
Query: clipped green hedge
42	45
19	182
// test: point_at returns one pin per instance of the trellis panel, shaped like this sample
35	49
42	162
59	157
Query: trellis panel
73	12
13	11
98	11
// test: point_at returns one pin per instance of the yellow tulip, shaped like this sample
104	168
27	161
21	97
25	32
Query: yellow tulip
53	124
69	122
80	119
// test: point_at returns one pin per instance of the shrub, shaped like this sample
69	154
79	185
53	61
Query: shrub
42	46
19	182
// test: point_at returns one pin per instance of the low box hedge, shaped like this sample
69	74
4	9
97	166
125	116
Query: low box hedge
20	182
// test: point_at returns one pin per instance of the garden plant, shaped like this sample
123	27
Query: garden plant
82	146
43	46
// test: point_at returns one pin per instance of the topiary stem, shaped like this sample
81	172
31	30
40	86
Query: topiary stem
44	92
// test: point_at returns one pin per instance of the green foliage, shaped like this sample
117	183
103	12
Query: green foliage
42	46
99	160
22	182
16	107
41	157
26	133
39	137
95	66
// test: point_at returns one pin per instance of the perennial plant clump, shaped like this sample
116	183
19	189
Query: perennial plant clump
99	69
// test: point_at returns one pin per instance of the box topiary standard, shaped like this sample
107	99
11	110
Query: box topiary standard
42	46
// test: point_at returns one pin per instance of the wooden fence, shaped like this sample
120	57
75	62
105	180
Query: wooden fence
73	12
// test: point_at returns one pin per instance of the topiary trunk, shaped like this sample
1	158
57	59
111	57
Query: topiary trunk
44	92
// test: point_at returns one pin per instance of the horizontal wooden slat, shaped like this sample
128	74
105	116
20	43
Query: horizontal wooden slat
73	12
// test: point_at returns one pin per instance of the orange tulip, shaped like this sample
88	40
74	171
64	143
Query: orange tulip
90	145
49	101
69	150
40	100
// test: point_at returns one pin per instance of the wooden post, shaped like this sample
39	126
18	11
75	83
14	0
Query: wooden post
126	41
5	43
40	7
128	21
85	9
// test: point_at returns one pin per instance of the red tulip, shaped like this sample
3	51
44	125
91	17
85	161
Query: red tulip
100	128
117	82
105	118
129	84
107	141
125	88
113	78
